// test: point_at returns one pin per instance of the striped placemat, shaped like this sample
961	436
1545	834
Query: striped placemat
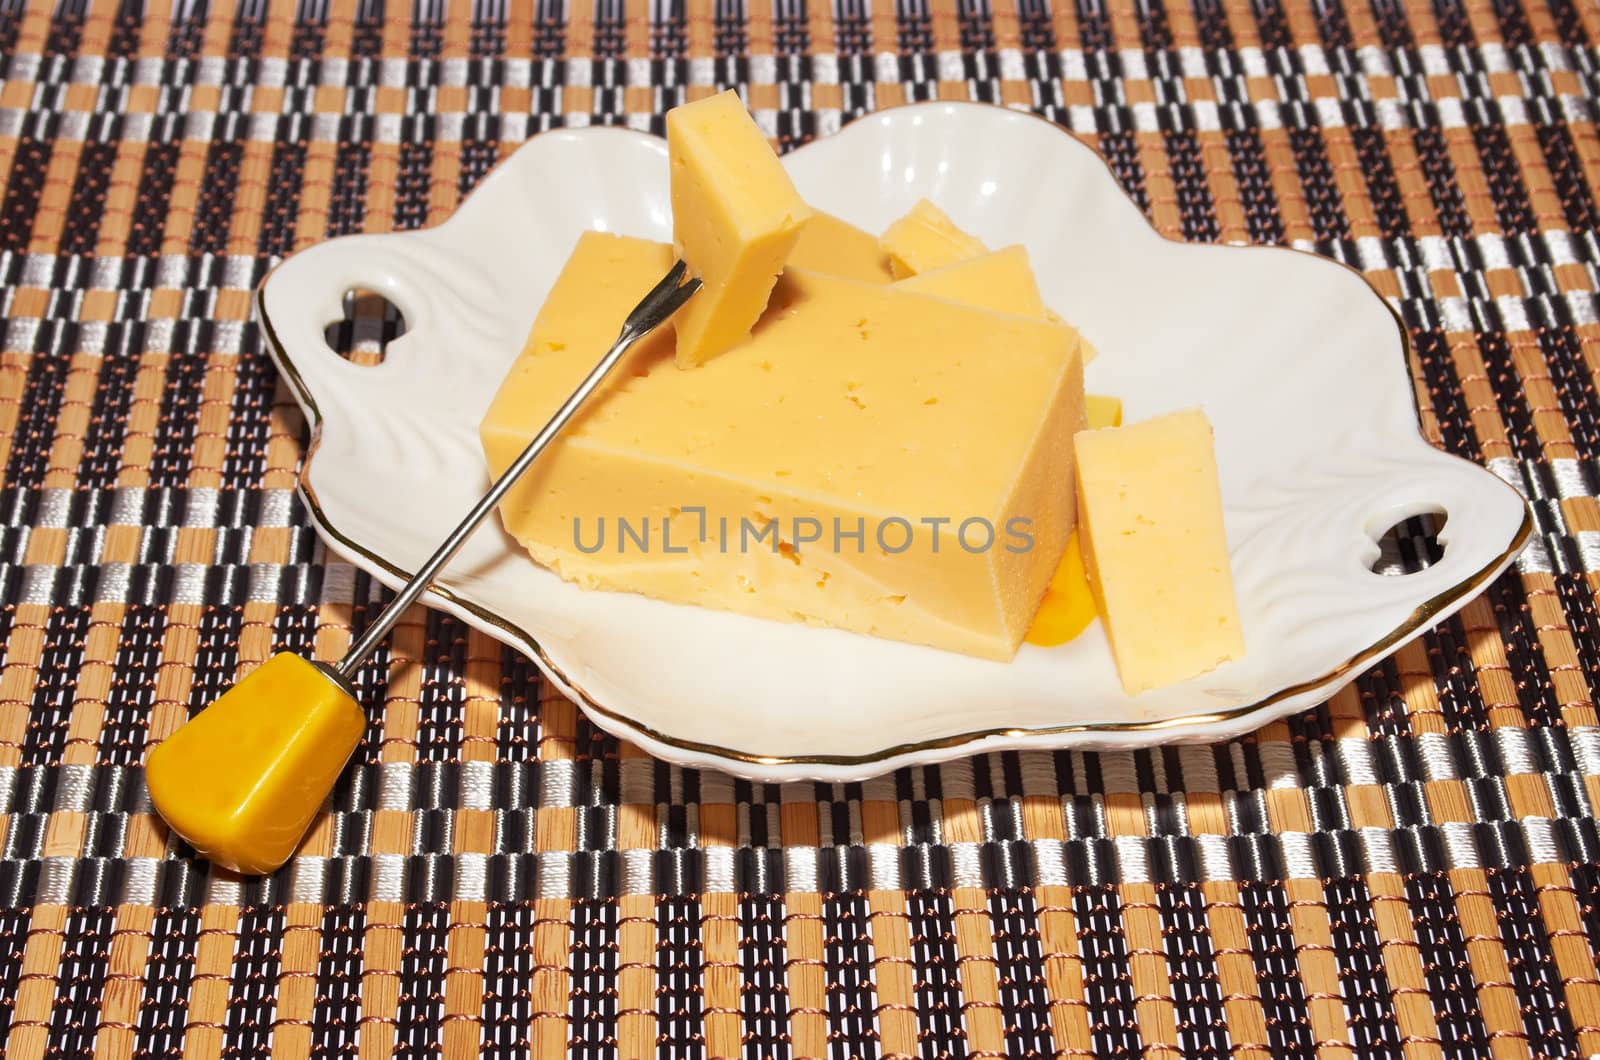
1413	867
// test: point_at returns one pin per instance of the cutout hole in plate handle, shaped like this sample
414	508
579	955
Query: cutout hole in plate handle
369	324
1411	545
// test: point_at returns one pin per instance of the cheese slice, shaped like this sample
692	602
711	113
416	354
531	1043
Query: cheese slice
1001	281
838	248
735	218
854	435
926	239
1154	548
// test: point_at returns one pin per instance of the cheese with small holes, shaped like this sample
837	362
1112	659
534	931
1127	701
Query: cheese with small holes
1154	548
838	248
1001	281
926	239
843	467
735	219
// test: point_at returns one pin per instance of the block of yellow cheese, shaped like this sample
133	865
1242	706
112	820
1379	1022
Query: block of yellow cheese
1001	281
842	467
1153	546
735	218
838	248
926	239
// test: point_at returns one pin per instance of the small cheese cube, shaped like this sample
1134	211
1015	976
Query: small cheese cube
1102	411
837	248
1151	530
735	218
926	239
1001	281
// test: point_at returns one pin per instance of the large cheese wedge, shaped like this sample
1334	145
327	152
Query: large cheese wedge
1154	548
735	218
838	248
926	239
1001	281
843	467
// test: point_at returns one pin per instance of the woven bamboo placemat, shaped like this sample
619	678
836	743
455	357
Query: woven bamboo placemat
1411	868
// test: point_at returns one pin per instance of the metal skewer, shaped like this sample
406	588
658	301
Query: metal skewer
663	300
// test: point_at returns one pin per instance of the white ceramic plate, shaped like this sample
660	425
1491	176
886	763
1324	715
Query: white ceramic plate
1299	363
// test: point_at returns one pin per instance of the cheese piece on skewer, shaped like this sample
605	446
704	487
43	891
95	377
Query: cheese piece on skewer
735	219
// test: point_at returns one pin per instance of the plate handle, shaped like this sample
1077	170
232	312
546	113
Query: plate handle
1480	513
303	295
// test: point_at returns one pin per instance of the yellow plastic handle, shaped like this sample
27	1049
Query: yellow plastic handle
243	779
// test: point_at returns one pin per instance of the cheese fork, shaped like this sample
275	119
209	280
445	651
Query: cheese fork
242	780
